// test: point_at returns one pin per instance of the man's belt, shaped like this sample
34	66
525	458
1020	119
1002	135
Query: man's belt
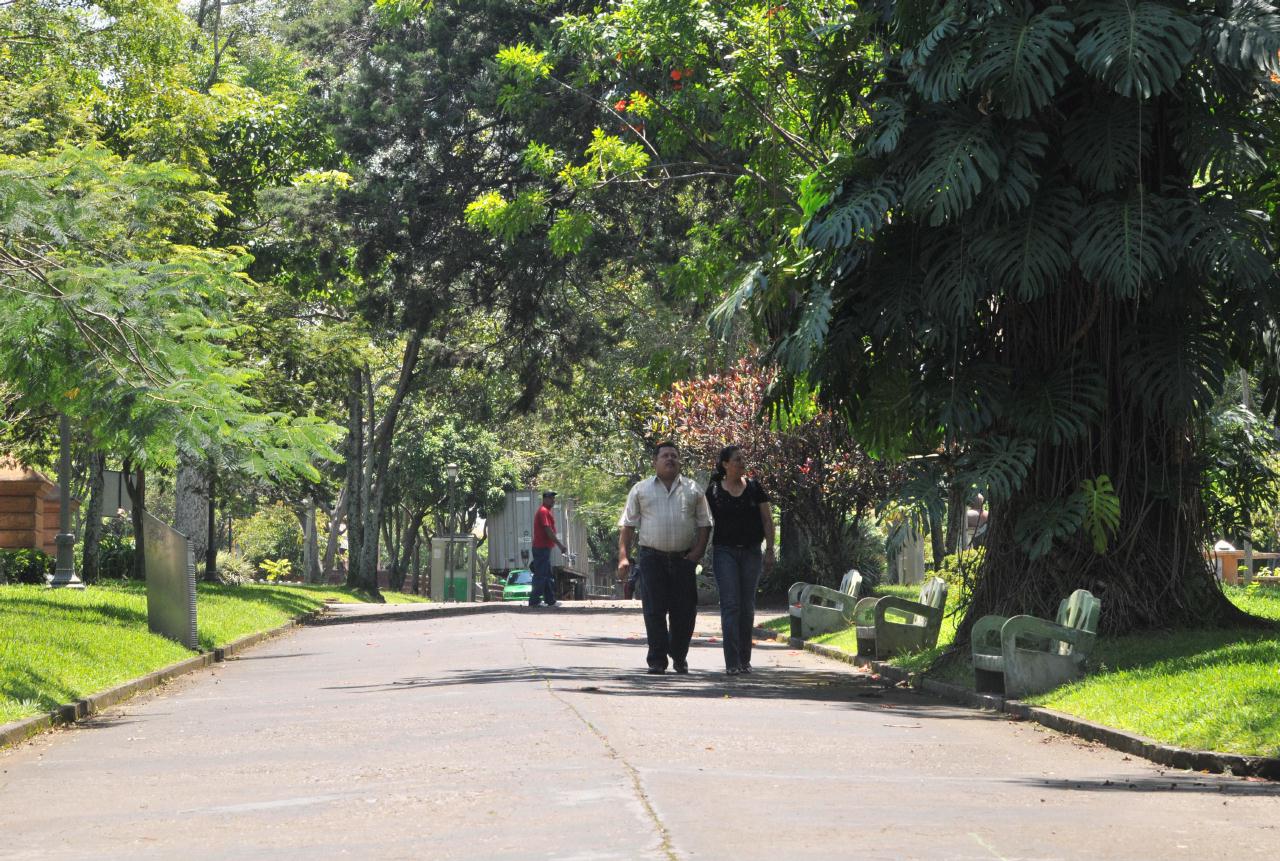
670	553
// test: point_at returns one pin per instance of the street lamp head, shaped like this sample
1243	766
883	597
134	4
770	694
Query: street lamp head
451	470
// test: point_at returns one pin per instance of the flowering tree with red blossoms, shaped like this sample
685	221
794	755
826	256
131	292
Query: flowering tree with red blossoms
822	483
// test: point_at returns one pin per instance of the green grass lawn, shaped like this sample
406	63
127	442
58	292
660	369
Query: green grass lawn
1215	689
59	645
1209	689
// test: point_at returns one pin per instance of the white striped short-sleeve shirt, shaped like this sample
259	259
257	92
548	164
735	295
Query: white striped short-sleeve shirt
666	520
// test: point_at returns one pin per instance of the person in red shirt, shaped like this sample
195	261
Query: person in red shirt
544	538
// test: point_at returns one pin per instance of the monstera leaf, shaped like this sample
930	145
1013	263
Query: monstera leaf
1138	49
951	164
1103	140
1040	524
1024	58
1123	244
1030	255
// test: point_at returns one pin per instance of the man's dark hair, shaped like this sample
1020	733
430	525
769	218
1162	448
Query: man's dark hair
666	443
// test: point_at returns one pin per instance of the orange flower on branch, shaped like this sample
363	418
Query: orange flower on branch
620	105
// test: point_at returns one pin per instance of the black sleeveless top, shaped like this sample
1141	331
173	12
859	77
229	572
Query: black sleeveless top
737	518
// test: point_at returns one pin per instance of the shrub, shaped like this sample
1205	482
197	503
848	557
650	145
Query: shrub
115	556
234	569
25	565
959	569
271	533
276	569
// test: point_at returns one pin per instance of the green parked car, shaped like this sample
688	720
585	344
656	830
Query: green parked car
519	585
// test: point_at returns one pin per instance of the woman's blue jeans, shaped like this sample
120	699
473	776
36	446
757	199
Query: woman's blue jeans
737	571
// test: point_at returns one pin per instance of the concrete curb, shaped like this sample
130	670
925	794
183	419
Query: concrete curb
1214	762
77	710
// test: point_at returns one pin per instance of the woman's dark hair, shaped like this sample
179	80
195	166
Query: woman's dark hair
726	453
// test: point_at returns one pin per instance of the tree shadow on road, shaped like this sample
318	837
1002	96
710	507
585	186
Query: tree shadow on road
855	689
1178	783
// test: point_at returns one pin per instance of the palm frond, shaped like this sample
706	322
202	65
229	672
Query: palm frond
1137	49
1024	59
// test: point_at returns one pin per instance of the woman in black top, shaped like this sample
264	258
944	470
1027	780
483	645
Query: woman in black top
743	519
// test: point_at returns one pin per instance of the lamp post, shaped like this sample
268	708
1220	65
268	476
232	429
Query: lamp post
64	574
451	470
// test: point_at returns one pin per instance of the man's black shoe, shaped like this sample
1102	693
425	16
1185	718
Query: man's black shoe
682	667
656	671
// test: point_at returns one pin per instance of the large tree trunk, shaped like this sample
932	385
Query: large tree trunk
211	531
191	502
310	544
135	482
378	460
1152	574
90	566
336	518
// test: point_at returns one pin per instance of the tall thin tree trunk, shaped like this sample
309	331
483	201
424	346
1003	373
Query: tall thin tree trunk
355	477
135	482
90	564
379	458
310	543
370	497
211	545
336	517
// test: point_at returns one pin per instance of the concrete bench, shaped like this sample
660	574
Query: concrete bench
1022	655
889	625
820	610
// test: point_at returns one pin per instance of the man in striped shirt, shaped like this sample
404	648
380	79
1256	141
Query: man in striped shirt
668	516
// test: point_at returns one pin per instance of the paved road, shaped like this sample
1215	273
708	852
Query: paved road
533	735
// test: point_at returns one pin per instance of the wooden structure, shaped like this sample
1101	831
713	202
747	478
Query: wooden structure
29	509
1227	563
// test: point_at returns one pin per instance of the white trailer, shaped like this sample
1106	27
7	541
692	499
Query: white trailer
510	537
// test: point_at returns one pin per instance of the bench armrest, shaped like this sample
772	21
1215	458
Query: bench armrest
864	612
793	594
1034	626
831	598
985	634
911	608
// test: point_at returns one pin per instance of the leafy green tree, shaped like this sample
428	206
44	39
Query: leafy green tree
1043	255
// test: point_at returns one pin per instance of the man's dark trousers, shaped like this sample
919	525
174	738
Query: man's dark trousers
668	588
544	580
